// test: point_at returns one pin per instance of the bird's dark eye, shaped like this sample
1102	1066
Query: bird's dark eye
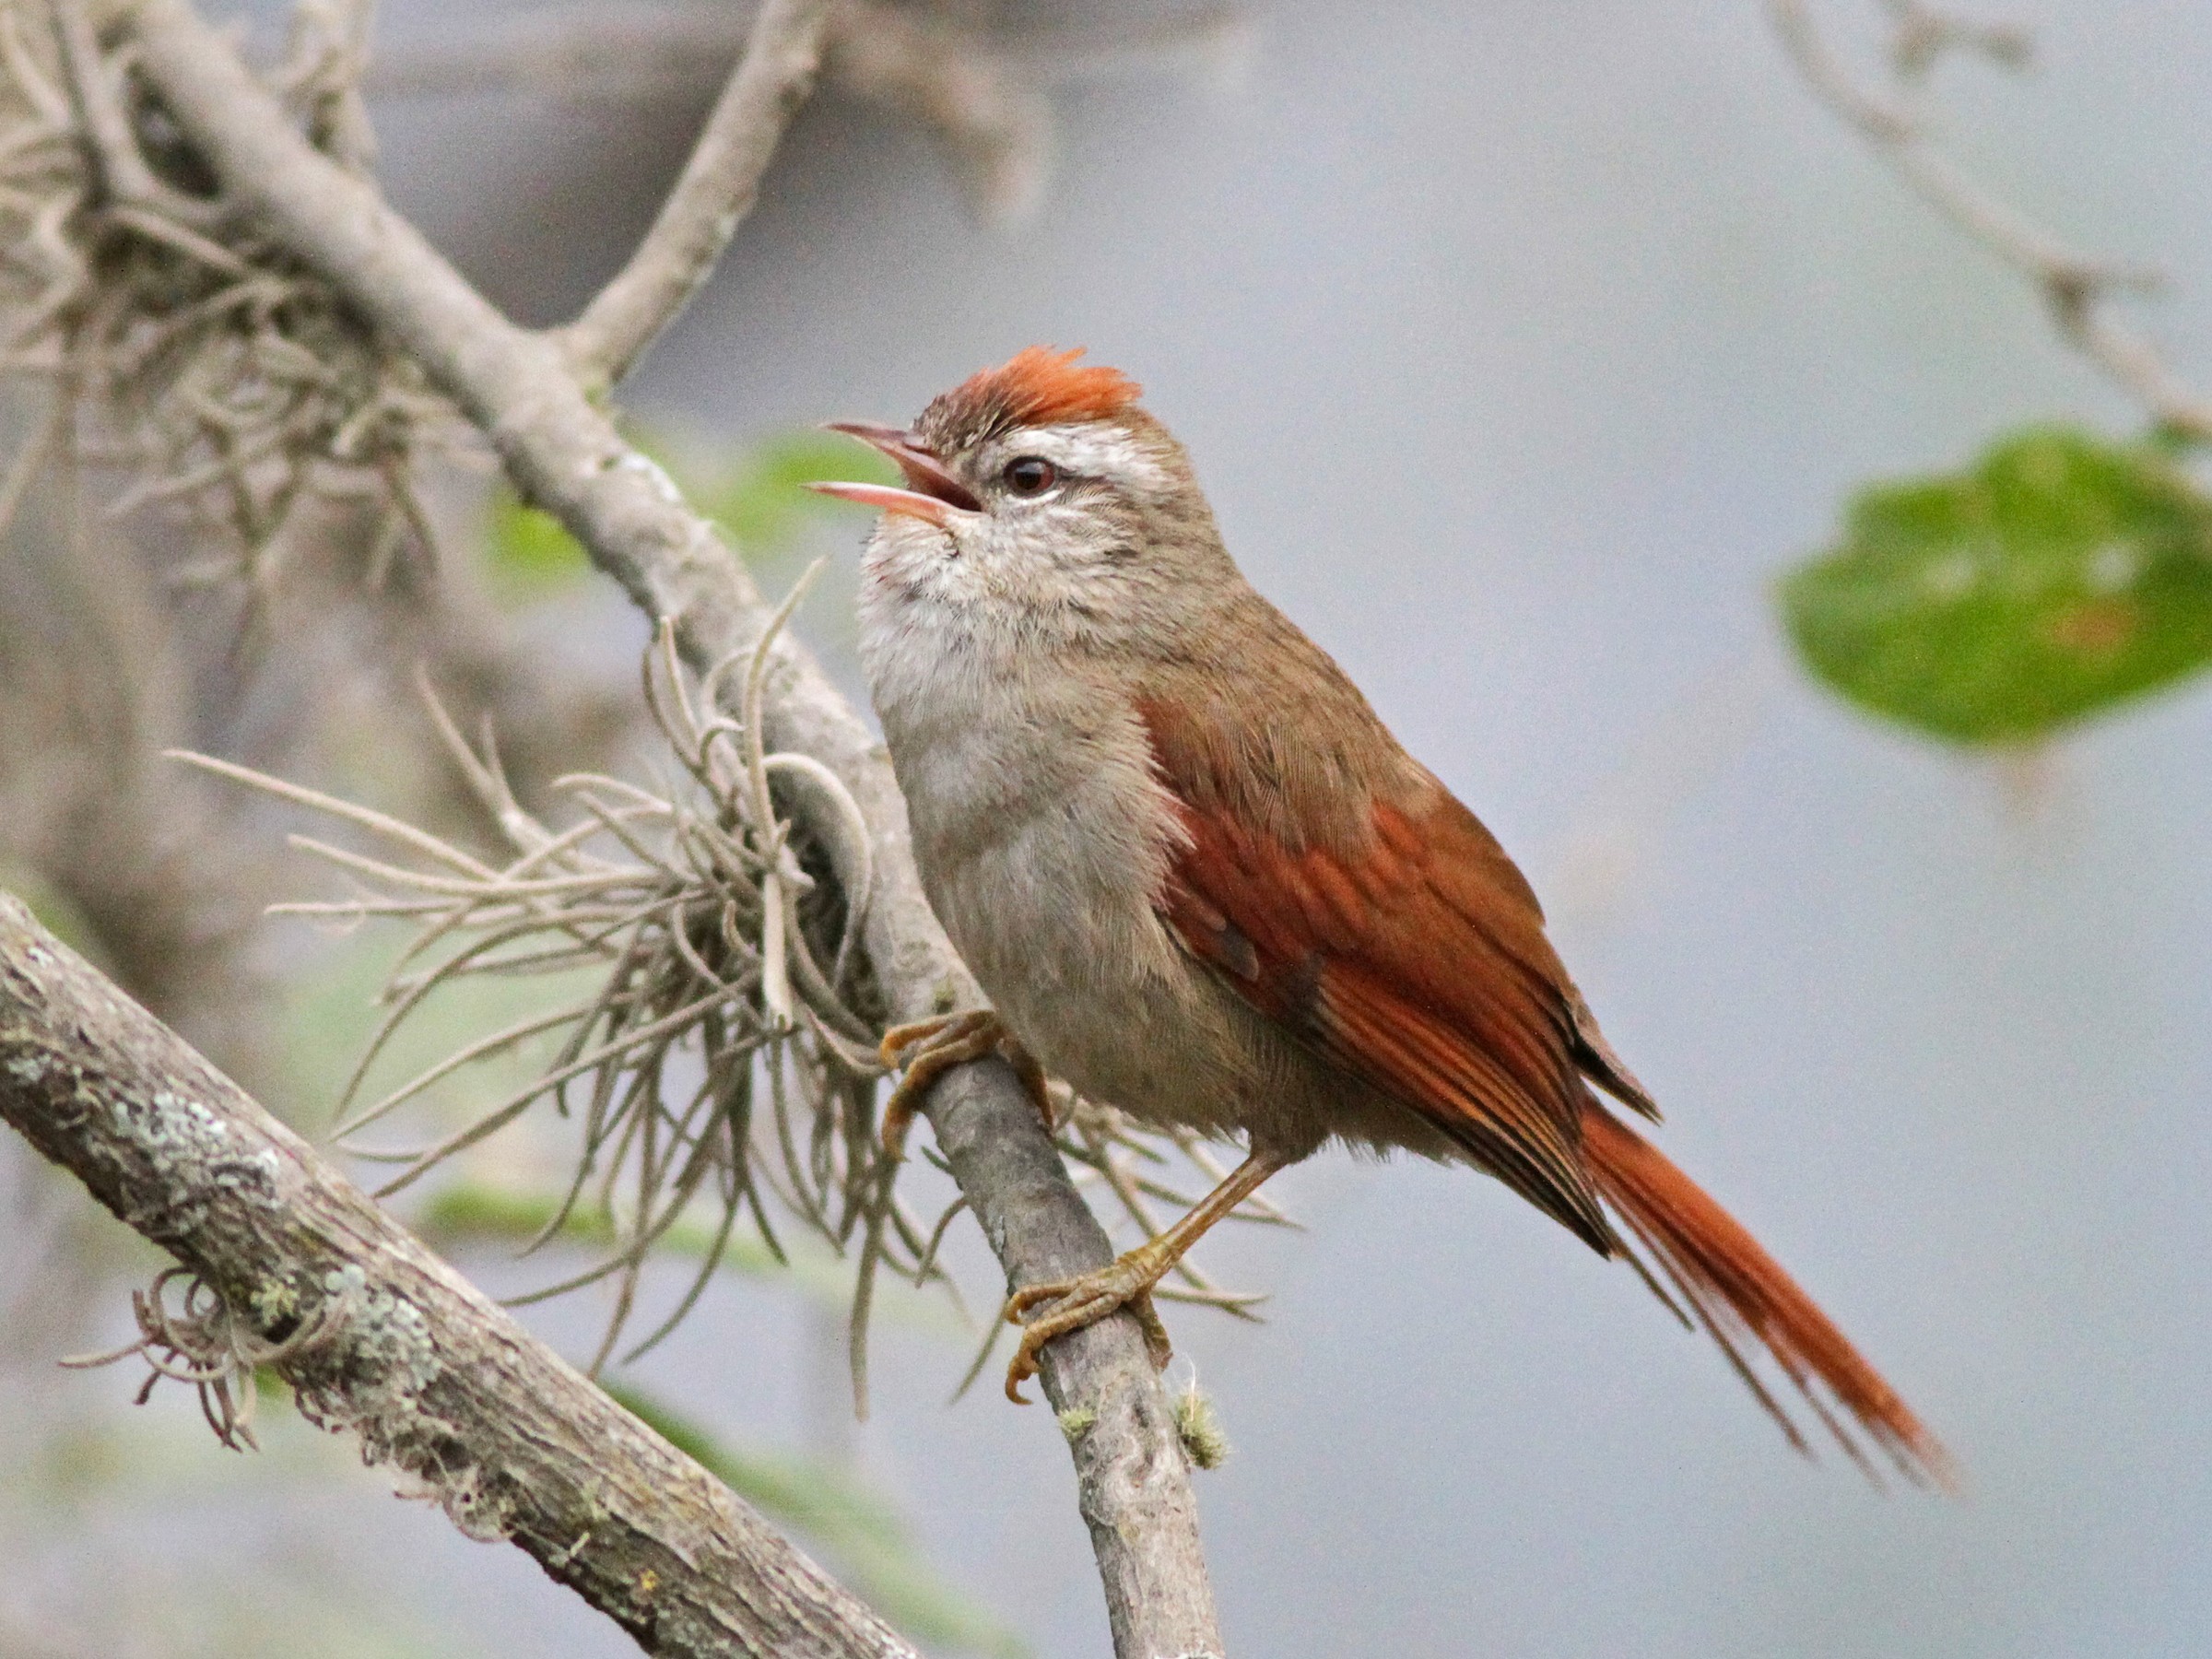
1030	474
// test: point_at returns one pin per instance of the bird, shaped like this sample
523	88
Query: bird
1199	878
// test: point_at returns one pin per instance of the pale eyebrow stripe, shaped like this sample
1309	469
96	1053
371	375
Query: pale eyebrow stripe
1087	450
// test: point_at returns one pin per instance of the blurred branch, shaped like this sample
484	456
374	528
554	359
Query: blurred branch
632	52
2077	287
564	455
981	89
144	869
714	192
380	1339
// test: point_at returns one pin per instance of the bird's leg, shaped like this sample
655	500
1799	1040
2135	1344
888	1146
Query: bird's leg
933	1047
1070	1304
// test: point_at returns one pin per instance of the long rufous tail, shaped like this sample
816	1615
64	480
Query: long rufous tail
1737	1291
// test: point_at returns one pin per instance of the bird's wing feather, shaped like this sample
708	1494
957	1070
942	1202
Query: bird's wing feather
1401	942
1418	961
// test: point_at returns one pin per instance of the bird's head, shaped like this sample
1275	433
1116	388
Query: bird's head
1040	487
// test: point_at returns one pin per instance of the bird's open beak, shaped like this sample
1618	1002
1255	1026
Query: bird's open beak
932	492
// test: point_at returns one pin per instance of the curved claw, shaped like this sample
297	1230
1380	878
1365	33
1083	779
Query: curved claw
1127	1281
1072	1304
937	1046
933	1047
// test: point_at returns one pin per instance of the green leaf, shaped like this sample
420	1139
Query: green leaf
764	502
54	910
758	499
2061	576
850	1521
531	553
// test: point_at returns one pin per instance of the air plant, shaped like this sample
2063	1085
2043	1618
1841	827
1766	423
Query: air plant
723	1063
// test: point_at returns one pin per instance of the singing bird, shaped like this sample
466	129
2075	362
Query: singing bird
1199	879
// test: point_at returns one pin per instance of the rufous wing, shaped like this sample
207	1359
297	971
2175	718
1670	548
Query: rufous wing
1414	956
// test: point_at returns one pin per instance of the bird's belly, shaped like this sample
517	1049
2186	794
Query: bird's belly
1095	986
1074	958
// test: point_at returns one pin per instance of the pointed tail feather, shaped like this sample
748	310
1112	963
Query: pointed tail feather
1741	1295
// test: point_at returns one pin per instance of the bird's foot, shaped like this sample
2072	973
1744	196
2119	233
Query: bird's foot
1064	1305
929	1048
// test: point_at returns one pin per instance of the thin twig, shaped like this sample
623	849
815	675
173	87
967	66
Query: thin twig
2076	286
716	189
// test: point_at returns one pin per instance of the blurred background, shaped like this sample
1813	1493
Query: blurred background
1524	348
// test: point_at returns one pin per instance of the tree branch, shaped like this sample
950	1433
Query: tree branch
565	456
384	1340
2076	286
715	191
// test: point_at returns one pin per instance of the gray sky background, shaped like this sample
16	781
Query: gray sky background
1520	346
